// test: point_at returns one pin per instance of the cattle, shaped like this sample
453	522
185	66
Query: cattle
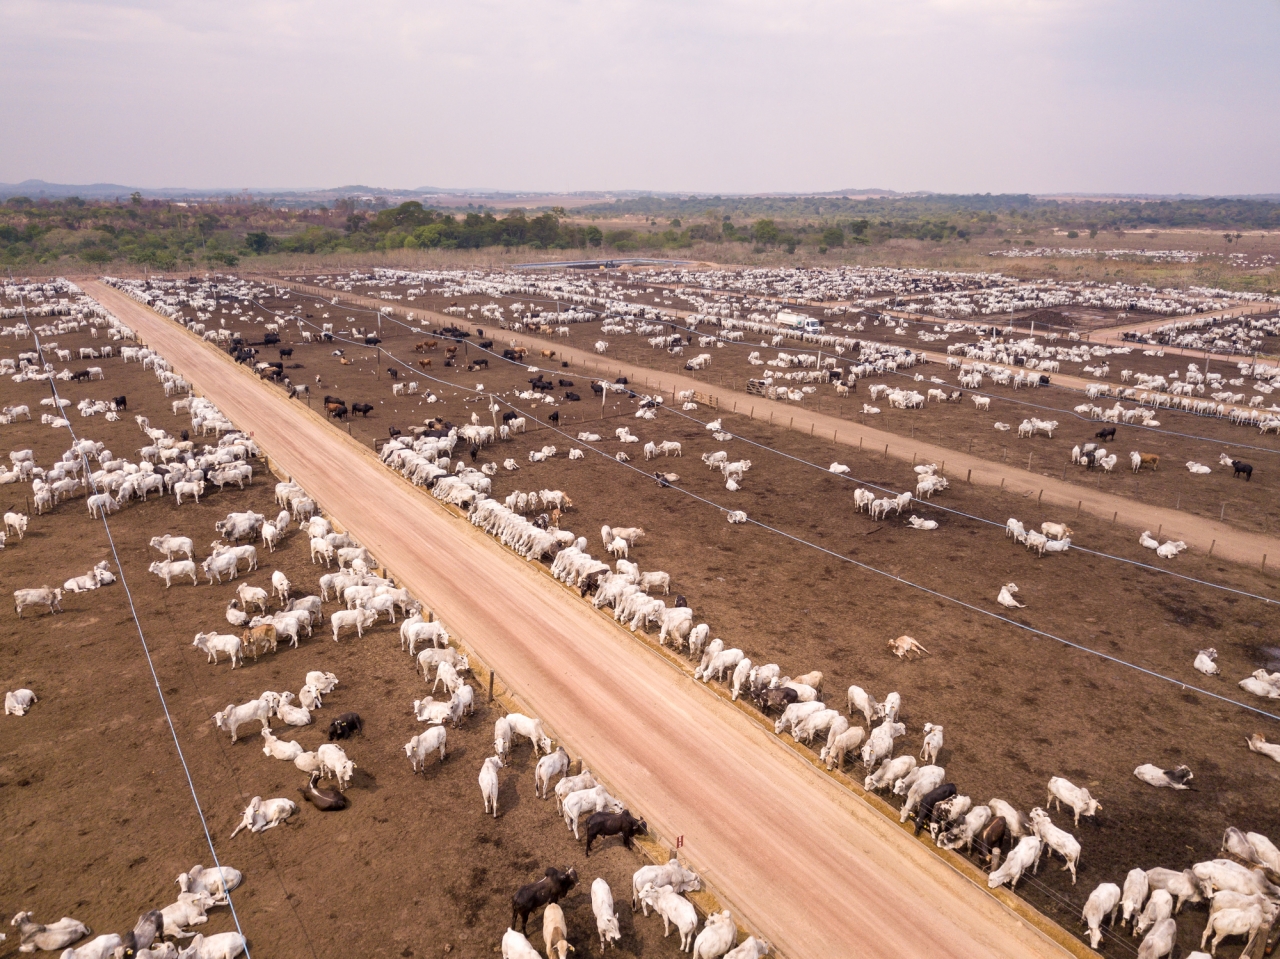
622	824
364	409
345	725
1109	433
552	887
286	353
336	410
778	697
120	402
572	397
990	841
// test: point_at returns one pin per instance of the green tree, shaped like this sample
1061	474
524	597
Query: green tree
833	236
135	198
766	232
544	230
258	243
593	235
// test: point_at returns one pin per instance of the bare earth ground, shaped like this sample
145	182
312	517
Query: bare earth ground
95	812
805	610
692	765
1063	485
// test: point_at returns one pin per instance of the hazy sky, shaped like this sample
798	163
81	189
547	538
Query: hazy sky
1157	96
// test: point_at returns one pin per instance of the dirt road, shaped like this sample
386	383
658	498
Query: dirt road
1197	532
806	862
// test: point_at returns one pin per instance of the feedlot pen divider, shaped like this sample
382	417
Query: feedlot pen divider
655	849
715	401
864	566
155	679
955	862
707	902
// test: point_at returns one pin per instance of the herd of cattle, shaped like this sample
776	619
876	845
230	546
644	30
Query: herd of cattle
264	620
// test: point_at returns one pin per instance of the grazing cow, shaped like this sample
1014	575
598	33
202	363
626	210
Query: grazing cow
1107	433
552	887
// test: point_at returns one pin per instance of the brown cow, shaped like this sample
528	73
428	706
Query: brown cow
425	345
520	352
1150	459
258	639
425	364
548	354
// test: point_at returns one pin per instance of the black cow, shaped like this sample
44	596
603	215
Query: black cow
333	399
393	372
372	340
121	402
554	417
571	396
184	435
924	815
622	381
552	887
393	432
479	362
510	415
779	698
286	353
1241	467
486	344
1107	433
338	410
364	409
597	388
271	339
566	384
345	725
81	375
681	602
622	824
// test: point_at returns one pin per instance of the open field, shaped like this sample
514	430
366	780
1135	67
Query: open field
99	820
596	688
804	603
1181	437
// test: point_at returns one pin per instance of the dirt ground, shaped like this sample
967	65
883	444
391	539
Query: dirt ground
1018	707
95	812
1181	438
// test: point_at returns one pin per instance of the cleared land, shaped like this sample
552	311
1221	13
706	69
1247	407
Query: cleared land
691	764
97	817
1018	709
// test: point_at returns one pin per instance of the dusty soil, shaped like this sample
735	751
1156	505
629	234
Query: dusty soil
1182	437
95	809
1018	707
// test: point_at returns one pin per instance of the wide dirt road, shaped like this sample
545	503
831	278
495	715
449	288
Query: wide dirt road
802	860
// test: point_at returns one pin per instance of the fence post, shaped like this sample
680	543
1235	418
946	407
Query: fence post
969	476
491	675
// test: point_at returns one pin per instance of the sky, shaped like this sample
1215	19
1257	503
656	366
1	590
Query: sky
709	96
